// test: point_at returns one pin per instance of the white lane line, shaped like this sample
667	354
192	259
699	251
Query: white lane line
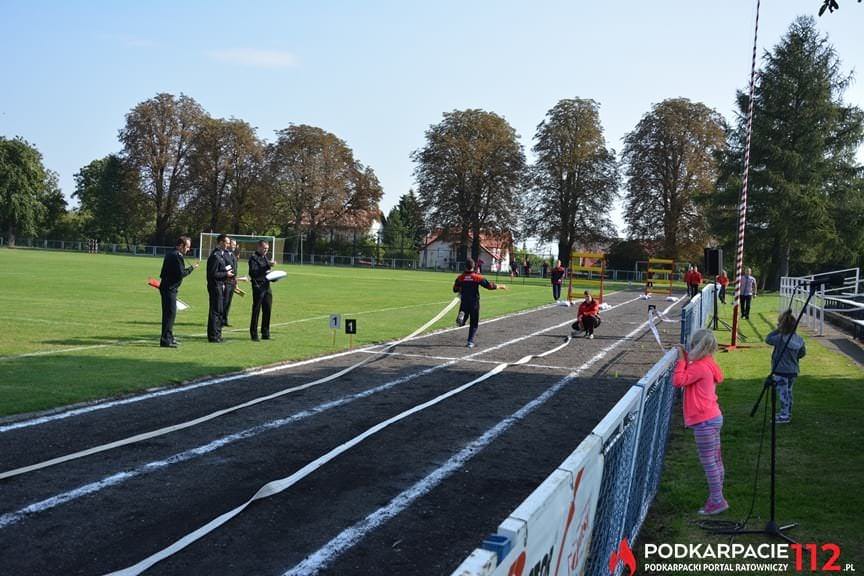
346	539
11	518
61	351
277	486
278	324
217	413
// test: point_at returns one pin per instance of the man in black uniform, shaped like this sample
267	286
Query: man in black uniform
231	265
468	286
262	297
217	278
174	269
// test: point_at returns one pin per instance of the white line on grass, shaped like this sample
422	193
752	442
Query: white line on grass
230	378
277	486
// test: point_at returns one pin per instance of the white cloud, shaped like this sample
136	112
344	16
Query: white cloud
255	58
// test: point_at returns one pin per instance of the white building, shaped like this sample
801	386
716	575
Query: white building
441	252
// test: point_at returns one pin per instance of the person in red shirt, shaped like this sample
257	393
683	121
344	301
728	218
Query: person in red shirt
468	285
687	276
588	317
698	374
557	280
723	281
695	282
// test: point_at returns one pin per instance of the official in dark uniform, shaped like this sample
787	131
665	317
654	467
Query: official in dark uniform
174	269
230	260
217	282
262	297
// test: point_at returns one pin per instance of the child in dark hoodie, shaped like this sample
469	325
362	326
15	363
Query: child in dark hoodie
698	374
786	366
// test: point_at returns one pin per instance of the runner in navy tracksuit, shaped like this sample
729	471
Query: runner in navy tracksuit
468	286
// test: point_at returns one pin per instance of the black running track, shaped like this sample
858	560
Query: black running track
408	500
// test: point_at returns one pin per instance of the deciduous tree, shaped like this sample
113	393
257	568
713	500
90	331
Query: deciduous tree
574	181
671	168
469	175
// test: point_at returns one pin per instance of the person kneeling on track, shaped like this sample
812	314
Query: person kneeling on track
587	318
468	285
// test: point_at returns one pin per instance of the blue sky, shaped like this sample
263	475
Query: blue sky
378	73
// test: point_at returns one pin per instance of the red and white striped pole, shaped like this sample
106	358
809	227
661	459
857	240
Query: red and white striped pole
742	208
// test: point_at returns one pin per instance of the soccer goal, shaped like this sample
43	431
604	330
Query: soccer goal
246	245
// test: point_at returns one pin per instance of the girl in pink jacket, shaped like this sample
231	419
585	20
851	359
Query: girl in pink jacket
698	374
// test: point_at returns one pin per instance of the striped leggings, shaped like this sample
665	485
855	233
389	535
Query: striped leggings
708	444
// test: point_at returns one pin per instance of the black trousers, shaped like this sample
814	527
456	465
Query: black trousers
169	314
214	317
262	302
588	324
722	294
556	291
472	314
745	305
226	307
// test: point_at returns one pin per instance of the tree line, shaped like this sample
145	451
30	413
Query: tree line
679	175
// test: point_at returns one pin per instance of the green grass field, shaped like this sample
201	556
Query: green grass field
94	324
819	463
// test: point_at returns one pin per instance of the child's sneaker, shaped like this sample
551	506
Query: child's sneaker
460	320
470	345
712	508
783	419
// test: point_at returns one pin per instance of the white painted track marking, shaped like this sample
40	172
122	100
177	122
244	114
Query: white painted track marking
277	486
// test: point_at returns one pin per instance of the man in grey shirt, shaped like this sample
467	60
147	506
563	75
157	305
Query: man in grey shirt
748	292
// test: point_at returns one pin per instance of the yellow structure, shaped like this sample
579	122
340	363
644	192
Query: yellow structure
658	277
587	268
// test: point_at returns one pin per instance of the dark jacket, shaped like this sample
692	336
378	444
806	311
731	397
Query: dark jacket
787	365
216	270
468	286
558	274
174	269
259	266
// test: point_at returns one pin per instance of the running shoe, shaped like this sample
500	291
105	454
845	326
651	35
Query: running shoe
470	345
712	508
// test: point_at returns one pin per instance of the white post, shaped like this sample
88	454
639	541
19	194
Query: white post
822	314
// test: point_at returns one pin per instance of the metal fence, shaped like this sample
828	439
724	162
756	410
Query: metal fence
635	434
698	312
368	257
842	305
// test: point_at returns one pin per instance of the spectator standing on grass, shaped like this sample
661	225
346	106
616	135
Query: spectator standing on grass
785	367
687	276
545	269
557	280
262	296
748	292
468	285
527	268
218	276
587	317
723	281
174	269
698	374
695	281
